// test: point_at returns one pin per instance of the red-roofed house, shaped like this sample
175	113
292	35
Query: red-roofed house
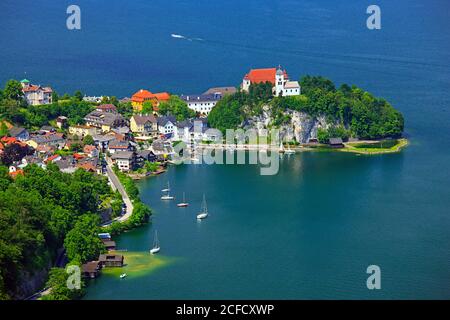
276	76
35	94
78	156
91	151
52	158
138	99
13	172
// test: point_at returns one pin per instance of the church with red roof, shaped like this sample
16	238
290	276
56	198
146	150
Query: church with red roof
276	76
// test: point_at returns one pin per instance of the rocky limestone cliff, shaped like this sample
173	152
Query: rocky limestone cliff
301	126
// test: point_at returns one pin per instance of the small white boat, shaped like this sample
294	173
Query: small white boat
156	246
178	36
167	195
184	203
123	275
166	189
281	150
204	213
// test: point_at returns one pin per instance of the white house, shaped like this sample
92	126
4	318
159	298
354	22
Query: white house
35	94
202	104
166	124
277	77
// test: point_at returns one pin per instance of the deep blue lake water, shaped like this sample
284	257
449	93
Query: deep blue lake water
310	231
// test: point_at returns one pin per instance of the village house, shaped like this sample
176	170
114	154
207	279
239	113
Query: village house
105	120
61	122
91	269
14	172
55	140
139	98
111	260
35	94
91	151
21	134
166	124
125	160
202	104
182	131
109	244
279	78
46	129
106	108
336	143
145	125
145	155
102	141
118	145
82	130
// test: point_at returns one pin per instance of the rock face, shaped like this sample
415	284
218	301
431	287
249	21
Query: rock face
301	127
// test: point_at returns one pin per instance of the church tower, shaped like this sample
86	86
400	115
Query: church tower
279	81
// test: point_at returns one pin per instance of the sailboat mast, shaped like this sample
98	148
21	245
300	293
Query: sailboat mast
205	208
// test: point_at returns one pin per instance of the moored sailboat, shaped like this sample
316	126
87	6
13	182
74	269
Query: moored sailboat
204	211
156	246
184	203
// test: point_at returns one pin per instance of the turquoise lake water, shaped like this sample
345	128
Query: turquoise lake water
312	230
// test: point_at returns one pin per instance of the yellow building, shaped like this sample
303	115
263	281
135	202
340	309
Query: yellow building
145	125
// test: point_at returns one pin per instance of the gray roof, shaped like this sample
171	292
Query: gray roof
162	121
142	119
202	97
123	155
48	138
336	141
103	138
221	90
16	131
104	118
184	124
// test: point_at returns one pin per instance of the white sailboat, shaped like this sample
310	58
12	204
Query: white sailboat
184	203
281	150
156	246
204	213
166	189
167	195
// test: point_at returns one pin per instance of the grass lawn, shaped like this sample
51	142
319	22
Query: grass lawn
377	147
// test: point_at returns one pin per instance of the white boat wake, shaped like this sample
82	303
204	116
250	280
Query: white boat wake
179	36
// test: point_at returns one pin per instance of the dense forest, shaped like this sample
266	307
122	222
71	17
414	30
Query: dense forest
350	111
43	211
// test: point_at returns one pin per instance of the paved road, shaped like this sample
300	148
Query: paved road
118	186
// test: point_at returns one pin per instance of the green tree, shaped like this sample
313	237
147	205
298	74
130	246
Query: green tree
55	97
57	281
82	242
88	140
176	107
78	95
147	108
3	129
13	90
